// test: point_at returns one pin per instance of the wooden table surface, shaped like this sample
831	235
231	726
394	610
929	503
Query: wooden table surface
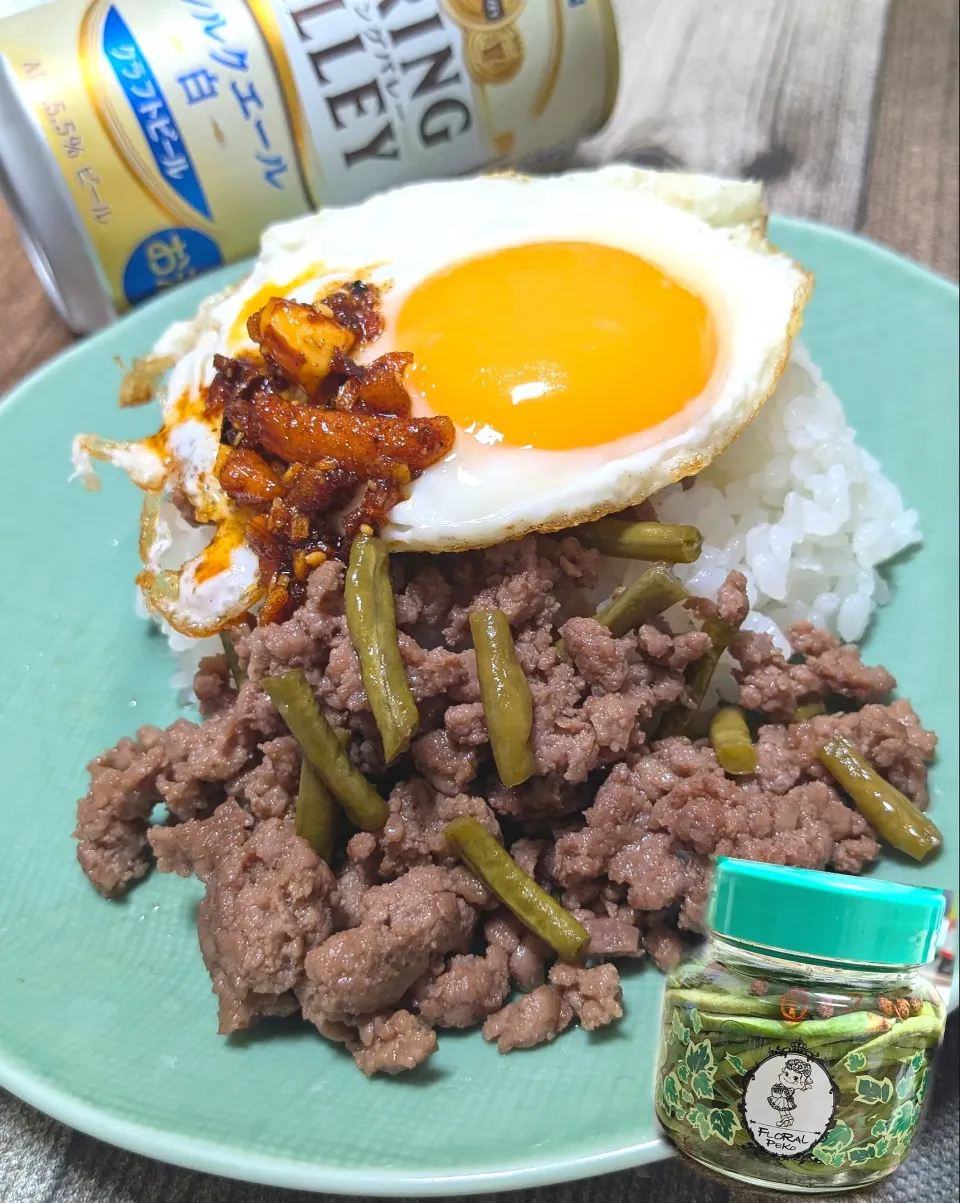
848	109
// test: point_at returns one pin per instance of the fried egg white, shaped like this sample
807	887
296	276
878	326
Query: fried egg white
594	336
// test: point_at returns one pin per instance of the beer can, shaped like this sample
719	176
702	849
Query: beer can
145	141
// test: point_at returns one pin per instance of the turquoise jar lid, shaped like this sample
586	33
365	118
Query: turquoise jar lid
829	916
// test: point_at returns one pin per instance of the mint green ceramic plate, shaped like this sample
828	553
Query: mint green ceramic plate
106	1017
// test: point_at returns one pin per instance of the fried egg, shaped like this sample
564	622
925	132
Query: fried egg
594	337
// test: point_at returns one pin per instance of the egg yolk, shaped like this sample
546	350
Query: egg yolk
556	345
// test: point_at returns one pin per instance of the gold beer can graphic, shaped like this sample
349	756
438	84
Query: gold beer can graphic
143	142
494	56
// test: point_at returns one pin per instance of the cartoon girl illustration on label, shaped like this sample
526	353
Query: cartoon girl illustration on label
794	1076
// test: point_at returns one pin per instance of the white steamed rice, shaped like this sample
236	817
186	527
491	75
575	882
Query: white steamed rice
800	509
794	504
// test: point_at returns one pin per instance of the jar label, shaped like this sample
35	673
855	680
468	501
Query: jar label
789	1101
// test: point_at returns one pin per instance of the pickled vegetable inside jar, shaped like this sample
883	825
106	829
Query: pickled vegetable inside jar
797	1047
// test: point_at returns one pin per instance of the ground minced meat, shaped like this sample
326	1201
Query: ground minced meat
398	938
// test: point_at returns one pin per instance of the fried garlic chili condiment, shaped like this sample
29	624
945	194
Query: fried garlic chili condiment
797	1048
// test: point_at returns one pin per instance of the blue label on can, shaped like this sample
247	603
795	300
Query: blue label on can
168	257
149	105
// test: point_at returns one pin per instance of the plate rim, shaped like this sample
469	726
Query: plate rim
212	1157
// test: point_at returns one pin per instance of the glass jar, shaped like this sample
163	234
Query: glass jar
797	1047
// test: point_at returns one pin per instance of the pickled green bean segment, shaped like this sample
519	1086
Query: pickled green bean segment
889	812
925	1027
507	704
730	1004
233	663
642	540
823	1031
680	719
647	595
656	589
516	889
730	737
809	710
293	697
372	623
315	817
